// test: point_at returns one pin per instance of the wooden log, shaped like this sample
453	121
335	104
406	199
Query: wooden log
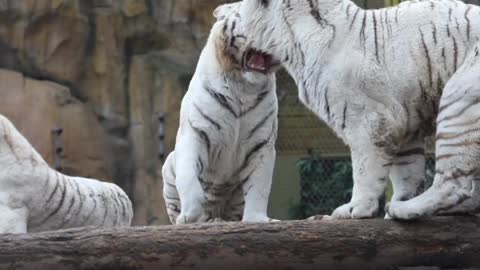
447	242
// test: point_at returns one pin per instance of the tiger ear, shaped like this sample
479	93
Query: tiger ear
219	12
225	10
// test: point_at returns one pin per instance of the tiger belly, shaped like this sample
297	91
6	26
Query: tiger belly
224	200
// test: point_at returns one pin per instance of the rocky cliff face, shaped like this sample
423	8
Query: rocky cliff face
103	71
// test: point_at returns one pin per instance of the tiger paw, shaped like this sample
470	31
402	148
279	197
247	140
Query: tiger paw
320	217
272	220
258	219
401	210
356	210
215	220
192	217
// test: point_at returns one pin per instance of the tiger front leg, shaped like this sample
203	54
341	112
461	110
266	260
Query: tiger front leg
191	159
408	171
256	188
371	166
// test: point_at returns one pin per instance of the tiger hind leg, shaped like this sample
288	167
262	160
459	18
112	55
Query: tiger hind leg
13	220
446	192
469	206
457	147
170	193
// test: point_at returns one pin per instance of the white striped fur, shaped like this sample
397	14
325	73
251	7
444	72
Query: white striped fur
34	197
377	77
221	169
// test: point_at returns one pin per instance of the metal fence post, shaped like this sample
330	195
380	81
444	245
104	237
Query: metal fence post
161	136
57	148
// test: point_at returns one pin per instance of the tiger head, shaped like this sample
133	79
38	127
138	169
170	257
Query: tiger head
276	26
234	51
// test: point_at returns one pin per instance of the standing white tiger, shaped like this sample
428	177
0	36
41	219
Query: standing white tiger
224	155
34	197
377	78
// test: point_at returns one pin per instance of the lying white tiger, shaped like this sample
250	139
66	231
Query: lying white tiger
377	78
222	166
34	197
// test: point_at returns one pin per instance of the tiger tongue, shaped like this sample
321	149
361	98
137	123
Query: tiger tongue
257	61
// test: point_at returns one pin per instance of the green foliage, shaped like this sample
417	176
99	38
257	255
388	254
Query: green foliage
325	185
389	3
430	172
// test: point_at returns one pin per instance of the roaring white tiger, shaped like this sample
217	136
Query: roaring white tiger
379	79
34	197
222	166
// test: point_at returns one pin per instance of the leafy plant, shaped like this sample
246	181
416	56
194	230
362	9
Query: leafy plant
390	3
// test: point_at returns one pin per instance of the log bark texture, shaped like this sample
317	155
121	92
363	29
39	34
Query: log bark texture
446	242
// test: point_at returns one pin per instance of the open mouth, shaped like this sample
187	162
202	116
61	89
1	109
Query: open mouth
258	61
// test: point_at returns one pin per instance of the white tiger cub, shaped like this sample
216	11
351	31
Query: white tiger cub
222	166
379	79
34	197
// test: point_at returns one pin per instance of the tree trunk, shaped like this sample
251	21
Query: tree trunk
447	242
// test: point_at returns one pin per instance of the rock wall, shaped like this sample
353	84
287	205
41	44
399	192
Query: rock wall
103	71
